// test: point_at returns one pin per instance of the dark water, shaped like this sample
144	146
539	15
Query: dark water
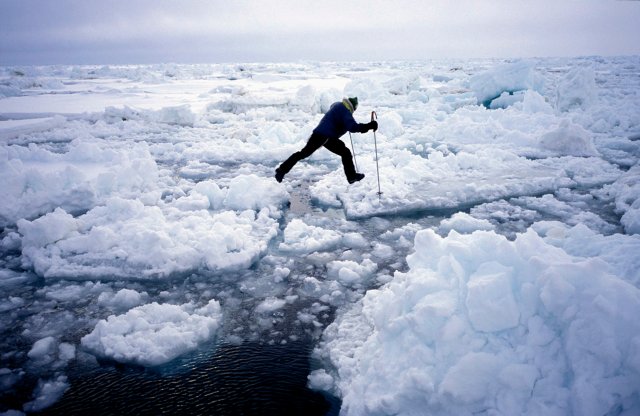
248	379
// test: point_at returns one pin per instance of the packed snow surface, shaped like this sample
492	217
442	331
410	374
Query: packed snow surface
497	273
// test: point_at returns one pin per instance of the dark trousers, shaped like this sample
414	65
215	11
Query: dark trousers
315	142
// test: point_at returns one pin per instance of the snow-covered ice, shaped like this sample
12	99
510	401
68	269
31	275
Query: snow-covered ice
497	273
154	334
483	323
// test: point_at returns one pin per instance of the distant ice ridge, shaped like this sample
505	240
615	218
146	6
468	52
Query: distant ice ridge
546	324
505	84
154	334
180	115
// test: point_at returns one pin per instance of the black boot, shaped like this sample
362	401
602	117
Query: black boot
356	178
279	175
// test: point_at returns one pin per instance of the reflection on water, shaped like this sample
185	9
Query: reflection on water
246	379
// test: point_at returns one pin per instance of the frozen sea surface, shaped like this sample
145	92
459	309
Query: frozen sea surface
147	252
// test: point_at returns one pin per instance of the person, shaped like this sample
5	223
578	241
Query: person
336	122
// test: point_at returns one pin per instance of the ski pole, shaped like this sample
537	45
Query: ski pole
354	152
374	116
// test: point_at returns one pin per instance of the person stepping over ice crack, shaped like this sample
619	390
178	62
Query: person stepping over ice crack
336	122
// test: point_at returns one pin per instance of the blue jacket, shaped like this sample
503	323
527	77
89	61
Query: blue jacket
337	121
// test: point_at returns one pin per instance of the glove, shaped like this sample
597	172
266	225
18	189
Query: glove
365	127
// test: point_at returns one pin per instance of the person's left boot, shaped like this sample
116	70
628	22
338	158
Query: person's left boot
356	178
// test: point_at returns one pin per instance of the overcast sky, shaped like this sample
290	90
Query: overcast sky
199	31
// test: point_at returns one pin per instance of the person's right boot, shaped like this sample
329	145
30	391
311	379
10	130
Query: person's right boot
356	178
279	175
